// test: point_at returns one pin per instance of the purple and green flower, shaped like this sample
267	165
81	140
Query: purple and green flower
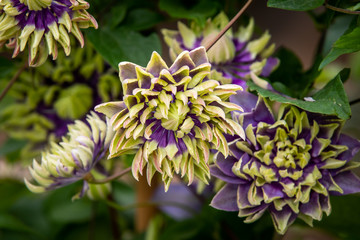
80	156
172	116
42	25
234	56
289	167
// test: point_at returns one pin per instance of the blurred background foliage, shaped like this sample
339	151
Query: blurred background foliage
309	38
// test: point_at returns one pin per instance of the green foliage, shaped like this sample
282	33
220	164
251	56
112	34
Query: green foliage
289	78
11	148
347	43
296	5
122	44
330	100
198	10
74	102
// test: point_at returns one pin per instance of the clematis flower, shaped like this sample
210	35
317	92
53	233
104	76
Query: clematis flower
171	116
77	158
42	25
53	95
288	167
234	56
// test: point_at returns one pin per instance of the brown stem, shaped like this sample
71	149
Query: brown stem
114	220
354	101
12	81
224	30
342	10
143	194
91	180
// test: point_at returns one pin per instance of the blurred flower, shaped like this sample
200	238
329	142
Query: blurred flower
49	97
171	117
42	24
75	158
234	56
289	167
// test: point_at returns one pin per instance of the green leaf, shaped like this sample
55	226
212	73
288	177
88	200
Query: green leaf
11	148
347	43
198	10
6	67
74	102
141	19
289	77
10	222
330	100
122	44
344	220
296	5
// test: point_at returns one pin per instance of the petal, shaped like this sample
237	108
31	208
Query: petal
348	182
215	171
225	199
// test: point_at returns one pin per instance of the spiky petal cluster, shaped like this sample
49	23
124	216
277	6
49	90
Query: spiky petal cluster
73	159
171	116
288	167
42	24
235	55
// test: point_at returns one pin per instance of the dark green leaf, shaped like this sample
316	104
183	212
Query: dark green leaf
335	30
11	148
141	19
330	100
10	222
289	77
344	220
124	45
118	14
296	5
347	43
198	10
6	67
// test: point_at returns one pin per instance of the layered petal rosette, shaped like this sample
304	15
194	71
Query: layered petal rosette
235	55
42	25
80	156
171	116
289	166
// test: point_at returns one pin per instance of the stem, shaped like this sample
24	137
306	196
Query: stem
224	30
12	81
354	101
144	193
108	179
342	10
114	220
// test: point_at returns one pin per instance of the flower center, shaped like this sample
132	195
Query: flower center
176	115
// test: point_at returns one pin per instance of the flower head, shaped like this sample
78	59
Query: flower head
42	24
73	159
234	55
288	167
171	116
53	95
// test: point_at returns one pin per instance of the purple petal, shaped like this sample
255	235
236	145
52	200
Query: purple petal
177	194
244	99
273	191
348	182
313	207
226	164
243	191
271	63
215	171
225	199
353	145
